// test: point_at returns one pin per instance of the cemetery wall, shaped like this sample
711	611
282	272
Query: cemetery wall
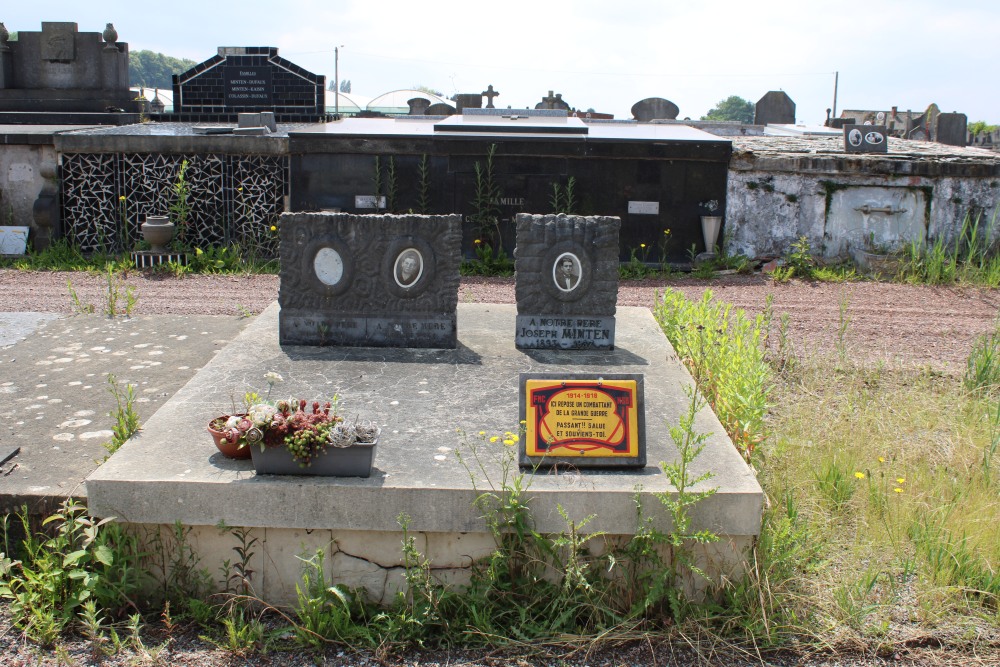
21	180
233	198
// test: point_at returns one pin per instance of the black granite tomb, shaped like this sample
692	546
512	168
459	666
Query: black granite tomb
652	177
248	79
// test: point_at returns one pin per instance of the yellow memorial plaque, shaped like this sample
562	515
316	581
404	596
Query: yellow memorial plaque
592	421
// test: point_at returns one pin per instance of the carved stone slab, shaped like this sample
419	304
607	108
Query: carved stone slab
369	280
566	281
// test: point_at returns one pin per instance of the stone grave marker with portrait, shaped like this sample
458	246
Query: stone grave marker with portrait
866	139
369	280
566	281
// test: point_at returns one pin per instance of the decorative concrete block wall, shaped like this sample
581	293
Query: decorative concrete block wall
233	198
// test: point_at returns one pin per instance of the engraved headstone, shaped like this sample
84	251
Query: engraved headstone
369	280
566	281
866	139
653	108
248	79
776	107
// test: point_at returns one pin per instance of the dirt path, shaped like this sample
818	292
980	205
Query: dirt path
915	325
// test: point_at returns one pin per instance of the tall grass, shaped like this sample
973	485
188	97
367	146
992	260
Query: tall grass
972	258
724	351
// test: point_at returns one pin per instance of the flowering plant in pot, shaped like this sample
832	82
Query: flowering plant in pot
233	433
296	437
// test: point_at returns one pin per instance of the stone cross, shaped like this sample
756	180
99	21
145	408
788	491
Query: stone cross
489	94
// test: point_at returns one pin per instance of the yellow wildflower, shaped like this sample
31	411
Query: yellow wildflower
273	228
494	438
478	241
859	475
881	459
642	245
898	490
122	198
508	442
900	480
482	433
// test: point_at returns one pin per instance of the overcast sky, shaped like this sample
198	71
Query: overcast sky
601	54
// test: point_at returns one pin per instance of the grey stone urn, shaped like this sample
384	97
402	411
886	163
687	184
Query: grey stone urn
158	231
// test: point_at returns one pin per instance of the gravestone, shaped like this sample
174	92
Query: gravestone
418	106
439	109
489	94
369	280
248	79
62	69
468	101
776	107
866	139
653	108
566	281
553	102
952	129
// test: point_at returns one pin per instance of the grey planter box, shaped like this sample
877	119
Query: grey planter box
353	461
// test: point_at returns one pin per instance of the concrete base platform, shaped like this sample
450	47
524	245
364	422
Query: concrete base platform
426	402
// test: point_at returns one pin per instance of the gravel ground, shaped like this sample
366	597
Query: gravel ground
909	325
913	325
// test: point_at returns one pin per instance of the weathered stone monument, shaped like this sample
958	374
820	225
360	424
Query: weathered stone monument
248	79
64	70
553	102
566	281
369	280
418	105
952	129
776	107
654	108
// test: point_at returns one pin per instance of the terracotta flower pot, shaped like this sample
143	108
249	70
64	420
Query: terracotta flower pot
232	450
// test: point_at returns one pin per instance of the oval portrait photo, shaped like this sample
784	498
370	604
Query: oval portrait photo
408	268
566	272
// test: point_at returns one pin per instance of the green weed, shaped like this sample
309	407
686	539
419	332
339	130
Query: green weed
126	418
723	350
982	369
79	560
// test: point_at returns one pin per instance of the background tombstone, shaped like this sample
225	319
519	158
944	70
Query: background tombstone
776	107
248	79
566	281
439	109
369	280
866	139
952	129
62	69
653	108
553	102
468	101
418	106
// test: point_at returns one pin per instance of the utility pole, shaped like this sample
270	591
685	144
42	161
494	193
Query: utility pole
336	83
836	80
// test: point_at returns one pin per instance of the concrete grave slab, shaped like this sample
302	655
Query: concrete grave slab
426	402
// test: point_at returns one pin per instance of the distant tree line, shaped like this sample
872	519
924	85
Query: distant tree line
154	70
